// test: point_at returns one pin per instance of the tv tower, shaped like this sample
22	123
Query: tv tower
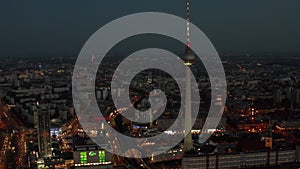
189	60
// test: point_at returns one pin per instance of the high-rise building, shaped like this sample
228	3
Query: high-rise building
43	128
297	96
277	95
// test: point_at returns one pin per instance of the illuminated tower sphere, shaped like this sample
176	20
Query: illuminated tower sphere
189	56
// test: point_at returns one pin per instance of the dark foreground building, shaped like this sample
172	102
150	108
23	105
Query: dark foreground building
262	159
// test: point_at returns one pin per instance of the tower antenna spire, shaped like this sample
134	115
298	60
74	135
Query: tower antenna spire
188	40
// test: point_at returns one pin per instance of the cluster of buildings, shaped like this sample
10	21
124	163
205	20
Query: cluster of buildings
262	106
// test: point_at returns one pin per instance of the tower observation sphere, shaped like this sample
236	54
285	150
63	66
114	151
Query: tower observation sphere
189	56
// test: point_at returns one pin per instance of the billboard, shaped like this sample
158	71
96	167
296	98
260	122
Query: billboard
92	157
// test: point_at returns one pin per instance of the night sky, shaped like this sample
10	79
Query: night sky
47	28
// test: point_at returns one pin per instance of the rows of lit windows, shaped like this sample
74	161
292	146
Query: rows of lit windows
238	160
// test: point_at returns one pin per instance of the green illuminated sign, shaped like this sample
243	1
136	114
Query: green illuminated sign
101	156
92	153
83	157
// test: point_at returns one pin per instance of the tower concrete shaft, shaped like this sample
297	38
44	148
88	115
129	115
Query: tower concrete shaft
188	142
